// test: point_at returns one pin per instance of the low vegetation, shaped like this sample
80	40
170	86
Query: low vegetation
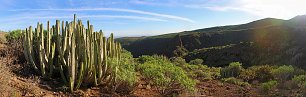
267	87
164	74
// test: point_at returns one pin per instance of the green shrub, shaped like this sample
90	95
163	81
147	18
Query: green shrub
14	40
14	35
261	73
264	73
300	80
298	71
283	73
196	62
233	70
145	58
248	74
126	74
304	89
215	72
268	86
202	72
179	61
235	81
163	74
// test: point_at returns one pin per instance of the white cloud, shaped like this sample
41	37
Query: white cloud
123	17
115	9
84	16
284	9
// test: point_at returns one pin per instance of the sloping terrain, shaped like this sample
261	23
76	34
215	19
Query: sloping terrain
272	38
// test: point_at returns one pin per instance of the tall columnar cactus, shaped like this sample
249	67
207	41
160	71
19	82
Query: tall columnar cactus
78	54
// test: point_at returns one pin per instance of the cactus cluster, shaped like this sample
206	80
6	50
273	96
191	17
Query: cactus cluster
78	54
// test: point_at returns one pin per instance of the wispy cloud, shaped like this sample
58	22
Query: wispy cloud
86	16
142	2
123	17
283	9
114	9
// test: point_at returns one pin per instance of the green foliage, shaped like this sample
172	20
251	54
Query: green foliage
261	73
147	58
196	62
180	51
300	80
283	73
126	74
248	75
235	81
268	86
80	55
197	71
179	61
202	72
215	72
304	88
163	74
127	68
14	35
233	70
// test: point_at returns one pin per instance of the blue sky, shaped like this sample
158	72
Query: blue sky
146	17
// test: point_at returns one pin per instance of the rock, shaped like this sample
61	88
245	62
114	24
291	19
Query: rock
140	86
29	95
148	87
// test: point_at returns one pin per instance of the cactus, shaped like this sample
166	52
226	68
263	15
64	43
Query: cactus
80	55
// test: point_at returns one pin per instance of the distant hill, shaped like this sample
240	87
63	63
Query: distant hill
274	41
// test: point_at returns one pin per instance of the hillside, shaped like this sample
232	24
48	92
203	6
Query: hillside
274	39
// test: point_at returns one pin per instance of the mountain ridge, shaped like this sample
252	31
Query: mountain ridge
272	36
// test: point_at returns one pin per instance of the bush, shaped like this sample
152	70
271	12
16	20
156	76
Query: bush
264	73
283	73
196	62
248	75
268	86
164	75
235	81
179	61
15	49
299	80
202	72
198	72
233	70
298	71
126	74
304	89
14	35
261	73
146	58
215	72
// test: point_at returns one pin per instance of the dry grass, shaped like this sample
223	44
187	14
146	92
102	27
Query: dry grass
2	37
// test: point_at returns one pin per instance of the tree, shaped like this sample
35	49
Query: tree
180	50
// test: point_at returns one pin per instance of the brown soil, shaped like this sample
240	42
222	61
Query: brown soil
216	88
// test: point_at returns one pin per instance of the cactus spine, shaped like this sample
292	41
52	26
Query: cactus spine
80	55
